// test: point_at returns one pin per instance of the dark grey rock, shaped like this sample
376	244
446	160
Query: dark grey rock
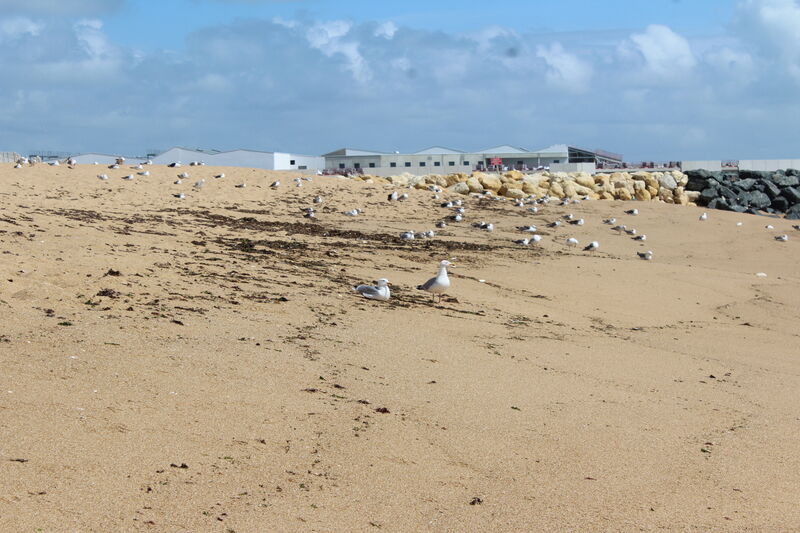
738	208
706	195
755	199
698	180
779	203
792	172
728	194
745	184
752	211
770	188
754	174
793	213
792	194
785	181
717	203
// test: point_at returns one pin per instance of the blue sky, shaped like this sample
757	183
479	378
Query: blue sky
652	79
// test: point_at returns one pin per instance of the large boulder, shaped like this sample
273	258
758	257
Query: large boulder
529	187
745	184
461	188
556	190
693	196
754	174
709	194
517	194
755	199
769	188
623	194
490	181
792	194
515	175
783	180
781	204
569	189
667	180
793	213
474	185
401	180
584	180
643	195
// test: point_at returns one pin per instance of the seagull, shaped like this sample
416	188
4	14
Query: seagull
145	173
460	210
619	229
704	216
769	226
523	242
218	176
392	197
18	165
180	195
782	238
640	238
533	209
177	182
610	221
647	256
631	231
572	241
527	229
797	227
402	197
318	199
128	177
199	184
353	212
555	224
176	164
457	217
446	205
485	226
407	235
441	224
138	167
370	292
578	222
275	184
240	185
438	284
114	166
103	177
632	212
183	175
594	245
569	216
535	238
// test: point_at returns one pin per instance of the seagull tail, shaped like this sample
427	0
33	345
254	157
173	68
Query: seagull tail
420	287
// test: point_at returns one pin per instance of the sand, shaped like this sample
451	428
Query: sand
203	364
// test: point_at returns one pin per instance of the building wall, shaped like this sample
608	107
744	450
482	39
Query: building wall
709	165
103	159
768	164
420	164
285	161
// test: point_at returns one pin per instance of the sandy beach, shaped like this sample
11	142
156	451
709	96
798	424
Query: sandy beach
202	364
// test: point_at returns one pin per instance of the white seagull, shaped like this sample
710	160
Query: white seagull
275	184
353	212
704	216
240	185
610	221
103	177
392	196
318	199
647	256
183	175
782	238
527	229
640	238
407	235
370	292
535	238
523	242
594	245
572	241
128	177
632	212
439	284
221	175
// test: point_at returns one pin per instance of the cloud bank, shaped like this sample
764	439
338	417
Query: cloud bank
314	86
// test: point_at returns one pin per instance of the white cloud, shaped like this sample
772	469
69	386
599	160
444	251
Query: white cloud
327	38
386	30
565	70
60	7
16	27
665	53
774	26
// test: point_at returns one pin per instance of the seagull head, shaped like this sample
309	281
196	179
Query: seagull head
383	282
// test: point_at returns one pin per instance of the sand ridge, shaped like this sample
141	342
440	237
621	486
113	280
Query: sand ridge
202	364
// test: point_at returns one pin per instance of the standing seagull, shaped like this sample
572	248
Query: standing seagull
594	245
371	292
438	284
704	216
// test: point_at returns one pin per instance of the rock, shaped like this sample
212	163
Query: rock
665	195
754	174
584	180
530	188
639	186
580	190
792	194
717	203
569	190
653	190
490	181
706	195
781	204
755	199
793	213
769	188
514	193
667	181
728	194
642	194
680	178
745	184
441	181
515	175
782	180
692	196
681	199
474	185
556	190
460	188
452	179
606	195
623	194
401	180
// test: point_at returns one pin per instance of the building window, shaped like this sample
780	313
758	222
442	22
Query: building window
291	161
341	165
466	163
437	164
452	163
520	163
356	165
392	164
408	163
302	167
422	163
556	161
372	165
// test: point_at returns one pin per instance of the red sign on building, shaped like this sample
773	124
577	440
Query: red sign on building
496	161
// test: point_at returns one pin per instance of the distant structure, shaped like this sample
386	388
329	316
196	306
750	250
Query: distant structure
438	159
231	158
9	157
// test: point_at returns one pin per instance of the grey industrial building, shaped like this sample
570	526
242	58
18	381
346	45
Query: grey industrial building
438	159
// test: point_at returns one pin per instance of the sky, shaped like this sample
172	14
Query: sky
652	79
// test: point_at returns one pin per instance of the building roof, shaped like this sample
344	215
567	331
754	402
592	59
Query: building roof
504	149
346	152
438	150
561	149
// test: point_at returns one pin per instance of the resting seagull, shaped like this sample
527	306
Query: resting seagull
572	241
594	245
371	292
647	256
439	284
632	212
782	238
704	216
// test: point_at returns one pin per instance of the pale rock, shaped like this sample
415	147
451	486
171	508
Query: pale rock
514	193
474	185
556	190
623	194
581	190
606	195
530	188
667	181
584	180
642	194
441	181
692	196
639	186
401	180
681	199
515	175
653	190
680	178
460	188
569	190
641	175
664	193
490	181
